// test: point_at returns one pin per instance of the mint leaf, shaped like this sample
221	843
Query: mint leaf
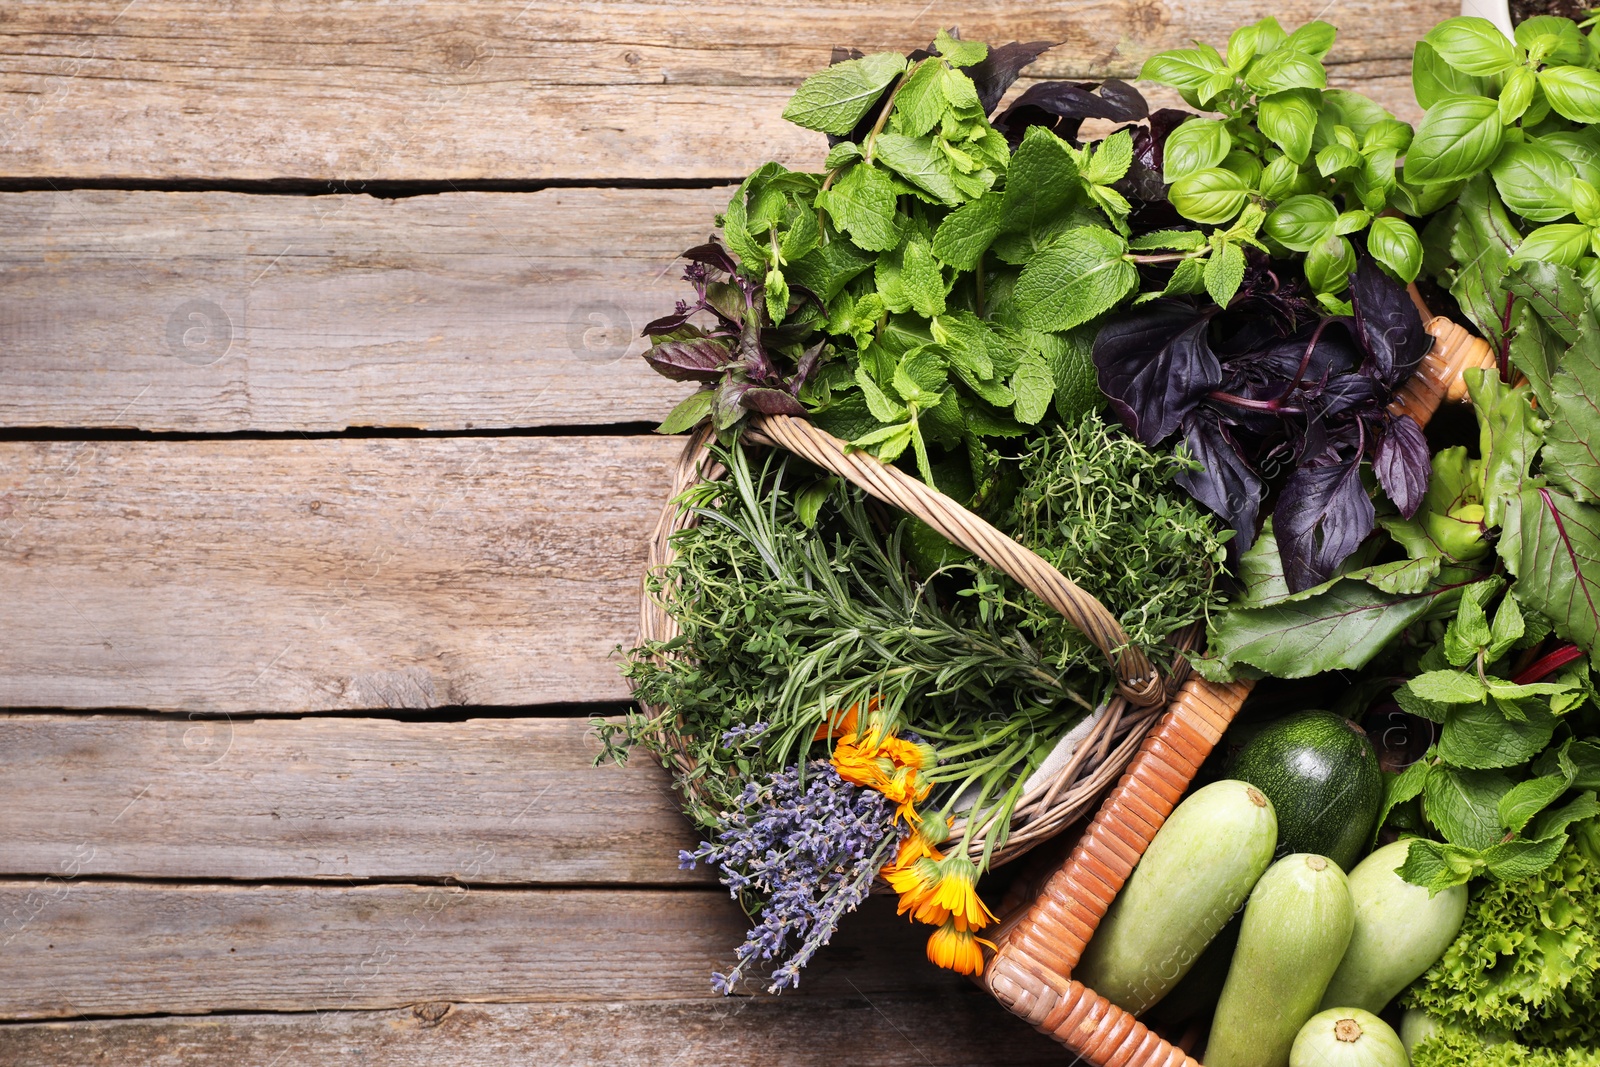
1478	737
777	293
1512	861
968	231
1040	180
1224	272
1399	788
1176	240
883	409
833	100
1584	806
1110	159
920	102
1508	629
861	203
919	161
960	53
920	376
968	342
1437	867
1033	385
1448	687
1572	440
922	279
1464	804
1079	278
1527	799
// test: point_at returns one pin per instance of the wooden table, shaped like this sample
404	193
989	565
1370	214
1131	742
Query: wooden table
325	472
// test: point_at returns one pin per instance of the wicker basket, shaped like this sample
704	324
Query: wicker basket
1040	943
1069	792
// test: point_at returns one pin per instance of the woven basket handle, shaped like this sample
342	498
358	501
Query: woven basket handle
1039	947
1137	680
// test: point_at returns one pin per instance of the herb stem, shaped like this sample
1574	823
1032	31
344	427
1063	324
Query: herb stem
888	106
1162	257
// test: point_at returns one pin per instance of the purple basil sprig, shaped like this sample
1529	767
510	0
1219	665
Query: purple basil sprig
808	852
732	352
1266	393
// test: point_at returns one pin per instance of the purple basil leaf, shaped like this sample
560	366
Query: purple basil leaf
840	54
1323	514
749	351
806	367
1061	107
695	360
1226	483
1401	464
1347	396
1156	364
1000	68
712	254
1162	122
667	323
1128	103
1389	323
771	401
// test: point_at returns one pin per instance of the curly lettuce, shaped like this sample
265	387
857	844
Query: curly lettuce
1527	962
1455	1049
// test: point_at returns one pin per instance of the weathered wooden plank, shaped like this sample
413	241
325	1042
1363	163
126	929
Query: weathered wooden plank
223	311
77	947
956	1027
488	801
286	575
473	89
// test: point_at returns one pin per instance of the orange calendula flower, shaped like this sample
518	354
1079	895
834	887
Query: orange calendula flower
957	894
956	948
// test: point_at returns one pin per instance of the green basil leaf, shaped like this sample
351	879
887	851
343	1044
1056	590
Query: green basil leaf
1585	202
1302	221
1472	45
1245	165
1563	242
1458	137
1314	38
1517	95
1534	180
1285	69
1078	278
1194	146
1289	119
1432	79
1387	133
834	99
1329	264
1552	40
1278	179
1212	196
1574	92
1395	245
689	412
1181	68
1335	158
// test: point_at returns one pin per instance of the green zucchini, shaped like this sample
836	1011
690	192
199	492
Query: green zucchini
1321	774
1347	1037
1199	868
1296	927
1400	932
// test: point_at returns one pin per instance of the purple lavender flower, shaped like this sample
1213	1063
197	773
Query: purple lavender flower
809	852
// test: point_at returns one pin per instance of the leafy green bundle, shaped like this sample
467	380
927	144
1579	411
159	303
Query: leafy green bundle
796	600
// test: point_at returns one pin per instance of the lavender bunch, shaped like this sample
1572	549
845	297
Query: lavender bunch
808	851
